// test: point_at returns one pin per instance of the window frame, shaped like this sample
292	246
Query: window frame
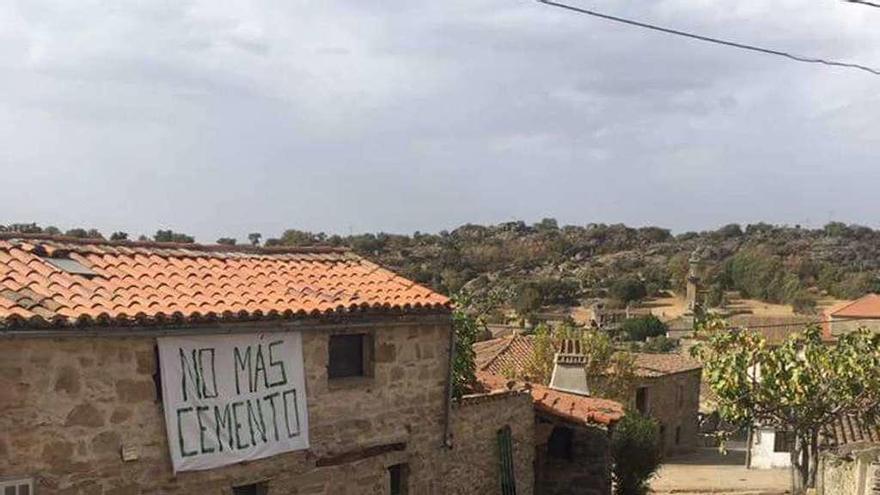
645	403
783	439
367	360
16	483
260	487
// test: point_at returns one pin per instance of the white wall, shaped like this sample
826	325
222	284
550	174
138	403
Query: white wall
763	456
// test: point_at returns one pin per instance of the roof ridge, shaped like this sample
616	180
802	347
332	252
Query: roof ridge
210	248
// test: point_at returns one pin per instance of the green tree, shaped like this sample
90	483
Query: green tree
466	327
642	327
227	241
801	386
119	236
254	238
628	289
171	236
635	452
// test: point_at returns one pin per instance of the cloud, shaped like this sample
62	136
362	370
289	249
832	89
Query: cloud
224	117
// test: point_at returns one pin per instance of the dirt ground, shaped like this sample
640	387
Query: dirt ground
706	471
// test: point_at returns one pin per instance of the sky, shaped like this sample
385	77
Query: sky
220	118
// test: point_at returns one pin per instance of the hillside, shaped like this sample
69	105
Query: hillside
526	267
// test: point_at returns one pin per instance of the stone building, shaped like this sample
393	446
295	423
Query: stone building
359	359
669	391
852	315
572	454
668	388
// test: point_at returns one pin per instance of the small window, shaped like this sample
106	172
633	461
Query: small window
559	444
21	486
347	356
397	479
642	400
252	489
783	441
677	435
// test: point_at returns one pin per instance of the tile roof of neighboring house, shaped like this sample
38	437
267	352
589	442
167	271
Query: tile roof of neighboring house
152	283
849	429
867	306
514	353
570	407
504	354
660	364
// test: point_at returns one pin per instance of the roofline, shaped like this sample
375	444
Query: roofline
210	248
225	327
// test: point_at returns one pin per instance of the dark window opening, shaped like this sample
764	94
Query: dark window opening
346	356
397	479
559	446
157	375
677	435
642	400
783	441
252	489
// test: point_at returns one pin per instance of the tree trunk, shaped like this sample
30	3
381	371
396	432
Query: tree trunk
800	464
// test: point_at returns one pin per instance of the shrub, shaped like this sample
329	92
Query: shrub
642	327
660	343
635	451
628	289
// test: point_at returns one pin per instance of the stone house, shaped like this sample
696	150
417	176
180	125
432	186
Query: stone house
669	391
96	376
852	315
572	451
668	387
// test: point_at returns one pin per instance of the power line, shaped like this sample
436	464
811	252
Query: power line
733	44
864	2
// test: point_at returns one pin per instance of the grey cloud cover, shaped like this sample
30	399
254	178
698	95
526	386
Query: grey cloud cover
221	117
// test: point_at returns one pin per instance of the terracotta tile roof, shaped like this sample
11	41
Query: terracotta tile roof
152	283
865	307
570	407
662	364
513	353
849	429
504	354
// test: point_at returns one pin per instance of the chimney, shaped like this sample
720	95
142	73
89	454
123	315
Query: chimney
569	369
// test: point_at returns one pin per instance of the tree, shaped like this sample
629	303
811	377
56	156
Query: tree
642	327
171	236
254	238
635	451
119	236
628	289
466	327
226	241
84	234
528	300
799	386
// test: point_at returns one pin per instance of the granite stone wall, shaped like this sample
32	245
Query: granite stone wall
674	401
69	406
473	465
585	471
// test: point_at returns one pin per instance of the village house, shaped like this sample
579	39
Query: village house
164	368
668	387
572	431
849	316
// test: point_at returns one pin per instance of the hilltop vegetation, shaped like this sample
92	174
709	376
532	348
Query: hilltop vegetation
531	266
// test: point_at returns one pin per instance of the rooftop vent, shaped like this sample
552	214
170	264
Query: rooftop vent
569	369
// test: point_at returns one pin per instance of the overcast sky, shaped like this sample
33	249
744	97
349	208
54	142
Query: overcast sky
222	118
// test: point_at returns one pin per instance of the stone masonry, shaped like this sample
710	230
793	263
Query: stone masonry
68	406
674	401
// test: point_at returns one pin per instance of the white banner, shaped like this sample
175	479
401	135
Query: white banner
233	398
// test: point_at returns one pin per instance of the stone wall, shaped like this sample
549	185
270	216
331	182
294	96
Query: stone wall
675	407
840	326
68	405
851	470
586	472
473	463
